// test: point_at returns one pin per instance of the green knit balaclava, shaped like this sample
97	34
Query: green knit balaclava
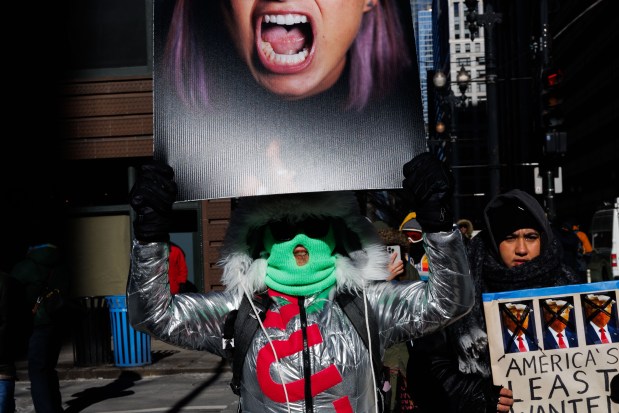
283	273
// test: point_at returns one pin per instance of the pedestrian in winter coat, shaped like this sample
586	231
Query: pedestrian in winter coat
41	272
450	371
303	250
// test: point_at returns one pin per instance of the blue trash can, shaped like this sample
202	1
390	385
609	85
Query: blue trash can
130	347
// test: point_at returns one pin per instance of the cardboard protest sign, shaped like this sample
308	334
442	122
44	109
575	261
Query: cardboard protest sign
556	348
253	100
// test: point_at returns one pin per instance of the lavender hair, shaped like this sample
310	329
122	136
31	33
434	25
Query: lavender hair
378	55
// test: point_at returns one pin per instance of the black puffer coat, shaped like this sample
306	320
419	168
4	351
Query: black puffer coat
450	370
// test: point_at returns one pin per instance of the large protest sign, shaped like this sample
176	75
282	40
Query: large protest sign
259	98
543	345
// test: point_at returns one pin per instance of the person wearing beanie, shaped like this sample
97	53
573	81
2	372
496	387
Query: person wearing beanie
516	250
292	256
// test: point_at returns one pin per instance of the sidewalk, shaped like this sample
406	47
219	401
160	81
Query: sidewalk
166	360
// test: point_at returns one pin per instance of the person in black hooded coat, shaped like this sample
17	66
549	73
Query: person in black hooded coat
450	371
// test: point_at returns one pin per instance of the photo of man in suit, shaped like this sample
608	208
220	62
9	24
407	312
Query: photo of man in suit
600	316
559	331
517	337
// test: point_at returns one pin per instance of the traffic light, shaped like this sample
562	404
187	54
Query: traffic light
552	100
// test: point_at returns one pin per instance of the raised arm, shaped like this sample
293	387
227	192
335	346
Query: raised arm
190	320
422	308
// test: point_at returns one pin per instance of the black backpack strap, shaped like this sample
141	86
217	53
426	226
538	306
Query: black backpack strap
353	307
239	329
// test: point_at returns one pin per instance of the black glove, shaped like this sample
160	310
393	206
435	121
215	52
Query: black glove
491	394
152	198
428	184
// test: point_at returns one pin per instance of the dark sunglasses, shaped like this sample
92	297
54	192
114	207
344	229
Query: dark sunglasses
312	227
413	235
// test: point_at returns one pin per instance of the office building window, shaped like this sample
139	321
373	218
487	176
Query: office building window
108	37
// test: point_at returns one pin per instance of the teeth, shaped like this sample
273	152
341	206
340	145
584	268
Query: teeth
285	19
284	59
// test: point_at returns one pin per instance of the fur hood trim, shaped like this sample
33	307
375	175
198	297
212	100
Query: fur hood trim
361	256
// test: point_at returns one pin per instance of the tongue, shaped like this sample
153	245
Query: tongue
284	41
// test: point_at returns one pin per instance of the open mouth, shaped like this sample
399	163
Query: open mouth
301	255
284	41
300	251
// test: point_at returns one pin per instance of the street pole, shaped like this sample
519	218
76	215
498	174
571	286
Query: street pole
547	167
489	19
449	105
455	162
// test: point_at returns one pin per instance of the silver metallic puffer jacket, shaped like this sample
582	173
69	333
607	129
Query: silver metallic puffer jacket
340	365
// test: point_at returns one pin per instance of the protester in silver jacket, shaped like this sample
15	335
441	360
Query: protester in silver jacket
307	356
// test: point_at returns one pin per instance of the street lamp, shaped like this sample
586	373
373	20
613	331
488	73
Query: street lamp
439	79
463	78
446	95
449	103
440	127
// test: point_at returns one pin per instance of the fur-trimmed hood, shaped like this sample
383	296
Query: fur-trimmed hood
361	256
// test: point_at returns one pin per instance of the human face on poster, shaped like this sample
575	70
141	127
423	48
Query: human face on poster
295	49
257	97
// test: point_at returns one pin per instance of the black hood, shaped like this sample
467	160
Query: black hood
513	210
